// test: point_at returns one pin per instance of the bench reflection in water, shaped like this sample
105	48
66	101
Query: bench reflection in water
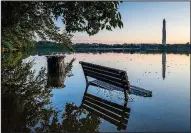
112	112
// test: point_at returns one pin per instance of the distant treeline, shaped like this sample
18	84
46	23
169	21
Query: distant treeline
48	47
132	46
49	44
114	47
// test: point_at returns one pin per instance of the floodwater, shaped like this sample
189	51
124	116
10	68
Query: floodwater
53	99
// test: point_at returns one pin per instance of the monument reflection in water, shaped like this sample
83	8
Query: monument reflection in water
58	70
163	65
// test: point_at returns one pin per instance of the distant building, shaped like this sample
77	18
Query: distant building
164	32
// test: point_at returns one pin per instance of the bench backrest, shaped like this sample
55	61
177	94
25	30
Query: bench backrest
110	75
112	112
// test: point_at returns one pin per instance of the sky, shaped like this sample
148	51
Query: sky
143	24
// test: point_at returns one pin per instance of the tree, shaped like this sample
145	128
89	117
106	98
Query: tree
21	21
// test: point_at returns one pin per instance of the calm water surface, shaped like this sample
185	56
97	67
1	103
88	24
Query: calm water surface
166	75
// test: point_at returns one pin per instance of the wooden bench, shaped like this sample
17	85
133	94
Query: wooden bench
111	79
114	113
106	77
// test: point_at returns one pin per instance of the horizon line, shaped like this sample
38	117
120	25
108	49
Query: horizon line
131	43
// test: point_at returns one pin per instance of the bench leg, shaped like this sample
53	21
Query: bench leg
125	94
86	89
87	83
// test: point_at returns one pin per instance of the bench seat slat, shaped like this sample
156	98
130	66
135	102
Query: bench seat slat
106	80
101	67
105	85
133	89
109	75
102	71
118	80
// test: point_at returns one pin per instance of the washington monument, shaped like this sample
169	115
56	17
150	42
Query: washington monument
164	32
